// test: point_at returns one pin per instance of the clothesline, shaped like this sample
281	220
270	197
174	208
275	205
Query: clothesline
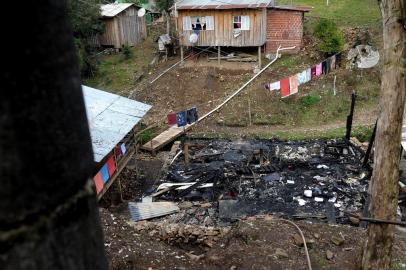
290	85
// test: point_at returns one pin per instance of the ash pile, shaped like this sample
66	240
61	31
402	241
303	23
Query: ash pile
217	182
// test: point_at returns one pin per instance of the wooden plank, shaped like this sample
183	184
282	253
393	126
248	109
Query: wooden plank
165	137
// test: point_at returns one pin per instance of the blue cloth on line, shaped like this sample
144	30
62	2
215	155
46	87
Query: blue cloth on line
105	173
181	119
191	115
122	147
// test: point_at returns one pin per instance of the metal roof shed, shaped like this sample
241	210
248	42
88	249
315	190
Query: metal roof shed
111	118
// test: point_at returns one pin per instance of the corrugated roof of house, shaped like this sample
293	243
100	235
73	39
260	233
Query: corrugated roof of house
223	4
110	118
111	10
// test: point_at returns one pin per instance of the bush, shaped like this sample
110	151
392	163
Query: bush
127	52
309	100
330	39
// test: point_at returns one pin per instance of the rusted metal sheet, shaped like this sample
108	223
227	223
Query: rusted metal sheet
226	4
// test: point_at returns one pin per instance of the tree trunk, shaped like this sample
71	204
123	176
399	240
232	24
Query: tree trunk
384	183
168	22
48	211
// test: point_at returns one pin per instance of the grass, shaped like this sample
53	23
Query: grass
116	72
362	133
343	12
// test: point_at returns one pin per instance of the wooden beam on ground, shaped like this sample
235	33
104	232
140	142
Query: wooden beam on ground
165	137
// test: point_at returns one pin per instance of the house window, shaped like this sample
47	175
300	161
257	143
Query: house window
241	22
237	22
198	23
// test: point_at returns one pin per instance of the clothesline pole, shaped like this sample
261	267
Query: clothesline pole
334	88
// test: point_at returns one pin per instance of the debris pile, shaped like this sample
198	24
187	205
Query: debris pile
312	179
174	233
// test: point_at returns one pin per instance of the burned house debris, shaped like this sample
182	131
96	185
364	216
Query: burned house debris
217	182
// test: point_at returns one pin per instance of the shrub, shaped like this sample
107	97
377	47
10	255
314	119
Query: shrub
309	100
330	39
127	52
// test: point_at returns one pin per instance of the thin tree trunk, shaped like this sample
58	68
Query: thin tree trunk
168	22
48	211
383	187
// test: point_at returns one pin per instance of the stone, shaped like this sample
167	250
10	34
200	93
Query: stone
185	205
280	253
316	235
206	205
338	241
354	220
299	241
233	267
194	257
329	255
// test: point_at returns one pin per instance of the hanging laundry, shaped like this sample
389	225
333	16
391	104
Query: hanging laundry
326	66
309	74
123	150
318	69
285	87
181	119
338	60
313	72
98	182
275	86
111	165
171	119
104	171
117	152
333	62
293	85
323	67
267	86
301	78
191	115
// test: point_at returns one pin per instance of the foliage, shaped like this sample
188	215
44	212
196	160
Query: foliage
127	52
309	100
164	5
86	23
330	39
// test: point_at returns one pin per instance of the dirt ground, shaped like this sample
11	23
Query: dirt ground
257	242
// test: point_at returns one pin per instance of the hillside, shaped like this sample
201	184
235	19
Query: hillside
257	112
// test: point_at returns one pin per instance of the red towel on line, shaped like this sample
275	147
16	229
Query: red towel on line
98	182
172	119
285	87
111	165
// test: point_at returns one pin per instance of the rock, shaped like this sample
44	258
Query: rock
316	235
185	205
338	241
280	253
215	258
299	241
194	257
206	205
233	267
329	255
354	220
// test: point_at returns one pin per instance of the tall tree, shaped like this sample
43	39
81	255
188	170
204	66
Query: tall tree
384	183
48	211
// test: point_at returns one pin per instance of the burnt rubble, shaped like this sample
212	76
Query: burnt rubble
317	179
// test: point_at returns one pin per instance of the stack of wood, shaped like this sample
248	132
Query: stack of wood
237	57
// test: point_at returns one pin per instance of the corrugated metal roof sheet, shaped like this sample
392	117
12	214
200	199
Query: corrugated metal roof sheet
148	210
110	118
222	4
111	10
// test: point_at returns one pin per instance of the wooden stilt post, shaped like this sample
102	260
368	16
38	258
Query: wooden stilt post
181	54
186	153
259	58
218	55
350	116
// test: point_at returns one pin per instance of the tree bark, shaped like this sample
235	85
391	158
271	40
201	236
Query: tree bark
48	211
168	22
383	187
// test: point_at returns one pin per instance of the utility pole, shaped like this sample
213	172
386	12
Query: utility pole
48	210
383	188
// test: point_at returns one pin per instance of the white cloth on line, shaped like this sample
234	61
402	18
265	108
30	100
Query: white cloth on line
275	86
